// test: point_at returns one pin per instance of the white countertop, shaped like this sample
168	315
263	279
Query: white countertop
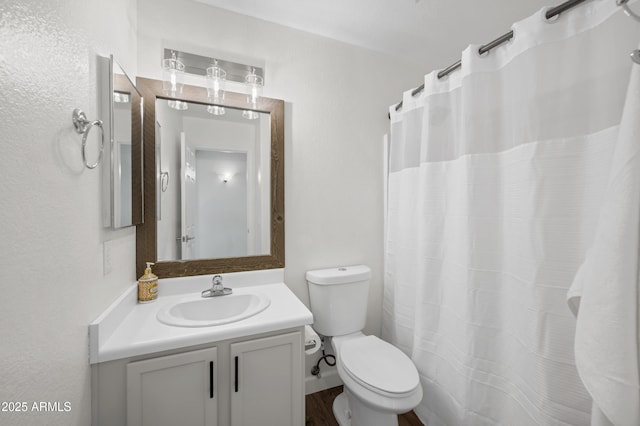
129	329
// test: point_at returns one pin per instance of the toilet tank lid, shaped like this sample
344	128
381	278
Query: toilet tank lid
339	275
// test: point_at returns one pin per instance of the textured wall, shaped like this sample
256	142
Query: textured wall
51	279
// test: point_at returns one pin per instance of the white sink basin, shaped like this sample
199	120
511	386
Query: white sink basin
211	311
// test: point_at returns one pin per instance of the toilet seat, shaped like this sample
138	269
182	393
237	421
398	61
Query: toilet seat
379	366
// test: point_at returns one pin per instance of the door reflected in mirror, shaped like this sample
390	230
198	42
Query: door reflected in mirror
217	201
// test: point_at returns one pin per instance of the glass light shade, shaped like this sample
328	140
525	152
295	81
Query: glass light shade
120	97
216	78
215	110
254	88
172	76
250	115
179	105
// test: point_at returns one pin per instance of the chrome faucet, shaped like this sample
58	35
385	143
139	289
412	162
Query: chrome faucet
217	288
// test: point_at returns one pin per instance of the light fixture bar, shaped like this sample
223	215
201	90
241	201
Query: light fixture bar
196	64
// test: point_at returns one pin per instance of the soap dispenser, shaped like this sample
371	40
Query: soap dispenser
148	286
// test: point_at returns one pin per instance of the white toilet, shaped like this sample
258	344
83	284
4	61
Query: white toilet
380	381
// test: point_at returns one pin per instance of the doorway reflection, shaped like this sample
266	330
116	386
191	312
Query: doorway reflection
218	204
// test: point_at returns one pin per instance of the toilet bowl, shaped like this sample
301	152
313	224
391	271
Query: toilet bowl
380	381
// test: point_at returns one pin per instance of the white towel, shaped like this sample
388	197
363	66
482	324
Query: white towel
604	295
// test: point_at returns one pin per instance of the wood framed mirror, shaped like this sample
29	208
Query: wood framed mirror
175	249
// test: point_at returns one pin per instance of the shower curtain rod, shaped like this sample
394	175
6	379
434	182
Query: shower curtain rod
553	12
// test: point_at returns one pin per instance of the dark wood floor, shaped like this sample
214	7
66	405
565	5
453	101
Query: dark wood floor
320	412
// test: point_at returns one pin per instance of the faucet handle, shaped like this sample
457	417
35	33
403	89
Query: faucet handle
217	282
217	289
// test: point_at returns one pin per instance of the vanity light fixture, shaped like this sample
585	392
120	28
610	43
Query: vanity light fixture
216	78
217	73
172	79
254	90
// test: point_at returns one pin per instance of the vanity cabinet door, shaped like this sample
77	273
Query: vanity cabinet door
267	381
173	390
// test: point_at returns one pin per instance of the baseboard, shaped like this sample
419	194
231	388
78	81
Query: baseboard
328	380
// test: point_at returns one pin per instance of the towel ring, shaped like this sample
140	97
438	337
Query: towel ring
83	127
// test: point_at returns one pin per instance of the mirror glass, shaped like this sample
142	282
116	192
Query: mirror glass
214	182
122	171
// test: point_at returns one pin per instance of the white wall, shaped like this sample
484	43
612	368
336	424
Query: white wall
51	236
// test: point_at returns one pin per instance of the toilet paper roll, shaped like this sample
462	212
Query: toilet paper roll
312	341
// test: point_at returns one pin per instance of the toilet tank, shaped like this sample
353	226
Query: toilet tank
338	299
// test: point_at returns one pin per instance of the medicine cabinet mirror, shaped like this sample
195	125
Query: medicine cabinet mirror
213	183
121	109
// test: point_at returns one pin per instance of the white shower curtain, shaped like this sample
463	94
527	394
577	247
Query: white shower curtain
499	192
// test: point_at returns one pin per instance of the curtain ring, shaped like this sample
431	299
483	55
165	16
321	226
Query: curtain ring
83	127
627	10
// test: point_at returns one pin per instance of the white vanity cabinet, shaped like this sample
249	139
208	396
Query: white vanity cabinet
249	381
178	389
267	384
145	372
